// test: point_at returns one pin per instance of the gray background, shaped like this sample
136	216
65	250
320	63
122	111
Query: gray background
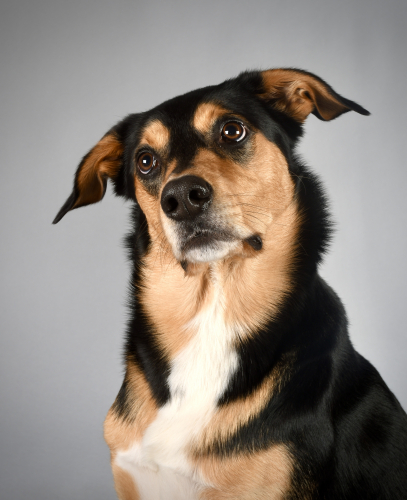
71	69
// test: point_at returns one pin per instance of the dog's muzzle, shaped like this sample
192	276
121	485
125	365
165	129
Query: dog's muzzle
195	231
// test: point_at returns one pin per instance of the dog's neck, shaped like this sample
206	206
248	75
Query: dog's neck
250	286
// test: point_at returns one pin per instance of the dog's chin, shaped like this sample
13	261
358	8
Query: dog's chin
206	246
208	252
203	245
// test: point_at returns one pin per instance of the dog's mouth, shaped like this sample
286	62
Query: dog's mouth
204	241
206	244
204	238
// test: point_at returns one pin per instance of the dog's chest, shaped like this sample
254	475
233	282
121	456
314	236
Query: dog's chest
199	375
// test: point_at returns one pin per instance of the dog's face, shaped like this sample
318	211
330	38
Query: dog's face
210	169
203	175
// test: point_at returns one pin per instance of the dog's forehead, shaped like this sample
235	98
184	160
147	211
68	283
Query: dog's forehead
186	118
181	127
163	132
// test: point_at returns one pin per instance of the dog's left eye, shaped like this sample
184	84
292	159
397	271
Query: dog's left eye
233	132
146	162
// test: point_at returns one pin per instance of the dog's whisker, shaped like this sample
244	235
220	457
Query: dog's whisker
246	216
261	209
246	194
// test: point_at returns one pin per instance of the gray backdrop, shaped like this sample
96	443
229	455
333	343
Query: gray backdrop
69	70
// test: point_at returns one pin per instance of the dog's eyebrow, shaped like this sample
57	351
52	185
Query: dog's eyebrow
205	115
156	135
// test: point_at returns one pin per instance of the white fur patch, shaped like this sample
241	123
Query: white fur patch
209	253
199	375
160	484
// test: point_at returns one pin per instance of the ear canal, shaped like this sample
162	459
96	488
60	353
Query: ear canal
298	93
102	162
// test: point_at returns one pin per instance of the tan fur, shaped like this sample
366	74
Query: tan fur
179	297
120	434
205	115
148	204
263	475
256	197
229	418
298	95
124	484
156	135
163	278
253	288
103	161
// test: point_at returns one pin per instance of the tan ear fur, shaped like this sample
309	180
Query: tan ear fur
102	162
298	94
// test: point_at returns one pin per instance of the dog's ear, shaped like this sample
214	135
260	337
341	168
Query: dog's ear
298	93
101	163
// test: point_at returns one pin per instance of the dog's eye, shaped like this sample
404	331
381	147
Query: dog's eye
233	132
146	162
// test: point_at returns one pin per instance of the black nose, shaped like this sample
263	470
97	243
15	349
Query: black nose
186	197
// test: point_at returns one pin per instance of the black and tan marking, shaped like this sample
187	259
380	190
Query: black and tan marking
221	200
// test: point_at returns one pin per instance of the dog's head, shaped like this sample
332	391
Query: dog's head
211	170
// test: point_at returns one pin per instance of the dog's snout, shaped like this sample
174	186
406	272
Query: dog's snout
186	197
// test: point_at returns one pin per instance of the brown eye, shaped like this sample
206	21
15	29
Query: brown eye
233	132
146	162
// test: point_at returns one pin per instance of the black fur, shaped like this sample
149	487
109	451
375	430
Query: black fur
345	430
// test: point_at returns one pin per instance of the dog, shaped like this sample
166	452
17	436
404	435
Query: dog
241	381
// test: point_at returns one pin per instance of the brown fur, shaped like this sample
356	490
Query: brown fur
156	135
243	201
261	476
103	161
298	94
124	484
237	209
229	418
252	288
163	277
121	434
205	115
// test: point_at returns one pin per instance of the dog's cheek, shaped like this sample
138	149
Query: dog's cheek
149	204
255	194
275	186
169	234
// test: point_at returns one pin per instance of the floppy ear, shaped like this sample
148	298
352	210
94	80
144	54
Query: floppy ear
102	162
298	93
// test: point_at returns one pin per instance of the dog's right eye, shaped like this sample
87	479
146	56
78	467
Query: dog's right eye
233	132
146	162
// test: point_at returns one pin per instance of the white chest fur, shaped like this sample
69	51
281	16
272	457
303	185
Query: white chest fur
199	375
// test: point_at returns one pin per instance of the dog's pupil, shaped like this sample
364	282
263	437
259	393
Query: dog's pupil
146	160
232	131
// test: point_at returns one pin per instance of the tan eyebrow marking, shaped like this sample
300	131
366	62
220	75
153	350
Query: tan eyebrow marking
156	135
205	115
